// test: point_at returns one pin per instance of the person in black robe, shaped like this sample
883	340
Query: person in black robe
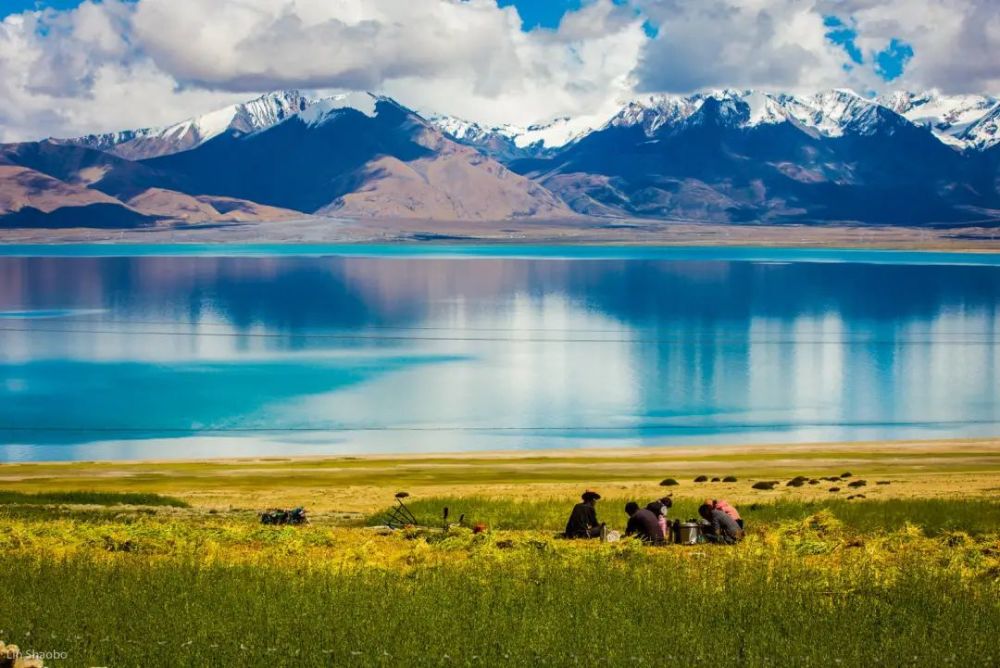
583	520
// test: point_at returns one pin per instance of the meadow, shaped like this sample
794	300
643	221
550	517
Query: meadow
896	578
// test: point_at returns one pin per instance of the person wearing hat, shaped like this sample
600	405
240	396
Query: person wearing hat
583	520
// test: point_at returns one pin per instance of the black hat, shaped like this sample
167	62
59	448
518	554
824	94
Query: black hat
591	496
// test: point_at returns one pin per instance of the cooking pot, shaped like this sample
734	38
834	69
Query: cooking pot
689	532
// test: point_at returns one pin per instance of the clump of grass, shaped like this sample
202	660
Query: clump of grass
883	482
834	490
9	497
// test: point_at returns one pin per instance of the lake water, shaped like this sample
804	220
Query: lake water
180	352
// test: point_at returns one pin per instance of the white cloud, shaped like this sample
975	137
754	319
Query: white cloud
956	43
118	64
774	44
121	64
782	44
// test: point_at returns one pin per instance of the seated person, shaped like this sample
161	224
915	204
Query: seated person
724	506
660	509
583	520
718	527
643	524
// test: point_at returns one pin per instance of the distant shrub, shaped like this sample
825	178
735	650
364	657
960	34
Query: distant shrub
846	475
716	479
883	482
858	483
730	478
701	478
765	484
814	481
835	489
89	499
668	482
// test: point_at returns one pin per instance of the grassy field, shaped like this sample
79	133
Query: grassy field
184	574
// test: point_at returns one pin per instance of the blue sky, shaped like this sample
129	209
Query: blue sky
15	6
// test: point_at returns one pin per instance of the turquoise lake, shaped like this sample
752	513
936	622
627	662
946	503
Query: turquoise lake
141	352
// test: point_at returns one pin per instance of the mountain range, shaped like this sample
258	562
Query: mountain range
722	156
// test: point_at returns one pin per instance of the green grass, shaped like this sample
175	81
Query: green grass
10	497
935	516
536	609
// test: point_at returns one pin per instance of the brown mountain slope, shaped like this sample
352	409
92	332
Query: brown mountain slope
453	182
21	188
205	208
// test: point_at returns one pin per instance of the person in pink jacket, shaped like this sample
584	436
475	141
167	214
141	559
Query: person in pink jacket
724	506
660	509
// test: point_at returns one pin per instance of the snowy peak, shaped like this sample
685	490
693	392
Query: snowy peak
323	110
832	113
508	142
246	117
949	117
985	132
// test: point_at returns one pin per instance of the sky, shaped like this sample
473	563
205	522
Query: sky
70	67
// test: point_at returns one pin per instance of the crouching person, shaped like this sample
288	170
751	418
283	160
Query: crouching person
719	527
583	520
643	524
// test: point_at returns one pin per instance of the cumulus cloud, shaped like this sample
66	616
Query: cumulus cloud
125	63
956	43
783	44
774	44
118	64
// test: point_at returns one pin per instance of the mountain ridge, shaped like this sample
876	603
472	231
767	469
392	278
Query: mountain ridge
721	156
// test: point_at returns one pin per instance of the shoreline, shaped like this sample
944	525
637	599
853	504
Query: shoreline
655	452
634	233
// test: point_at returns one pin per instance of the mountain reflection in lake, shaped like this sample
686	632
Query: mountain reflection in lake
141	357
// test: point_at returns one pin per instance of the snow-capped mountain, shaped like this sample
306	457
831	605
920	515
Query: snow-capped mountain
256	114
949	117
510	142
830	113
749	155
721	155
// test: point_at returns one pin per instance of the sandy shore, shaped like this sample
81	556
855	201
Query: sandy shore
365	483
983	237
